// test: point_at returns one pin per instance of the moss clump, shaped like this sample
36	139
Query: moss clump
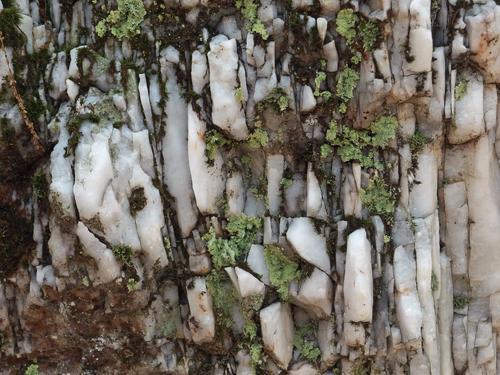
242	231
318	80
325	150
370	33
346	83
417	142
459	302
123	253
34	106
346	24
258	138
10	19
123	22
282	271
277	99
383	130
239	95
31	369
361	35
132	284
248	9
137	200
286	182
213	140
223	297
461	89
360	145
434	282
378	198
304	342
39	184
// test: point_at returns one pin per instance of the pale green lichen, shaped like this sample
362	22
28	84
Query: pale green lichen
277	99
378	198
461	89
383	130
248	9
223	297
360	145
283	103
242	231
123	253
346	24
123	22
286	182
258	138
325	150
282	271
213	141
132	284
318	80
304	342
460	302
369	33
31	369
239	95
417	142
346	83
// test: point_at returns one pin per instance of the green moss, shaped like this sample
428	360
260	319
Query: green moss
325	150
370	33
31	369
248	9
318	80
283	103
258	138
239	95
461	89
383	130
360	145
303	341
213	140
132	284
459	302
346	24
256	350
331	132
137	200
346	83
242	232
39	184
34	106
10	19
286	182
223	297
378	198
123	253
277	99
282	271
434	282
123	22
417	142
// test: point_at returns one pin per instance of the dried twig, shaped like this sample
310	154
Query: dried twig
20	102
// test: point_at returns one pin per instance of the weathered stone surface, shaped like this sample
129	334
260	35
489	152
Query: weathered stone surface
277	332
358	282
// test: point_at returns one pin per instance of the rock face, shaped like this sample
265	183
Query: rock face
249	187
277	332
